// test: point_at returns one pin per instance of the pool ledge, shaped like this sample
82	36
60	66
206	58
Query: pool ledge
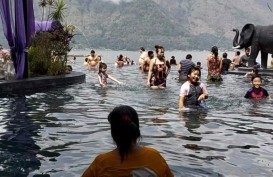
41	82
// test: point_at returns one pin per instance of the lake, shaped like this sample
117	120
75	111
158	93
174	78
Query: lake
58	132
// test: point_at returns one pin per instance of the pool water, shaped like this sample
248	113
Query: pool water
59	131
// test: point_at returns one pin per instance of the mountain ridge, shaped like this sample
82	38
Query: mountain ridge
175	24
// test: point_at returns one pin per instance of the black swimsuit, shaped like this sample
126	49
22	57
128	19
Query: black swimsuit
159	75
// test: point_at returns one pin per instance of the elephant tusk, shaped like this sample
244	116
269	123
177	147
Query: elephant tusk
237	47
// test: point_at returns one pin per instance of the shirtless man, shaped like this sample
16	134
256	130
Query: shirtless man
120	61
236	59
146	62
143	55
93	60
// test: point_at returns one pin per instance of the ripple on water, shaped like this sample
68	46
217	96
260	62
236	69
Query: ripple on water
58	132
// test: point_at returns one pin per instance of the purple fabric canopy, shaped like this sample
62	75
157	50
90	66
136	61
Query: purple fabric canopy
42	26
18	31
46	25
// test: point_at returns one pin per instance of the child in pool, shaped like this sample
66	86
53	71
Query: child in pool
253	73
103	76
257	92
192	92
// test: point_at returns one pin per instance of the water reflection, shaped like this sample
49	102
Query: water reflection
22	120
193	119
66	128
17	145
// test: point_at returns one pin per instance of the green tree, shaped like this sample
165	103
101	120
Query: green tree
58	12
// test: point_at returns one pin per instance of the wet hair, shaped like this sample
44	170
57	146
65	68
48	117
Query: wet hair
214	50
255	70
192	70
124	128
120	57
238	53
150	53
198	63
69	68
102	65
225	55
142	48
92	51
86	59
256	76
157	47
189	56
173	57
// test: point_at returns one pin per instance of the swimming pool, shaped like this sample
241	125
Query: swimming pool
58	132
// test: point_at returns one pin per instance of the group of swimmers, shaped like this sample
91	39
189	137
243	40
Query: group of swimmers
130	158
192	92
123	61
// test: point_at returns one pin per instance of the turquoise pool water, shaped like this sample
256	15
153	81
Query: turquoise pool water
58	132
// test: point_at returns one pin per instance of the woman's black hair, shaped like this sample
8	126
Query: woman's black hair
102	65
192	70
124	128
214	50
150	53
157	47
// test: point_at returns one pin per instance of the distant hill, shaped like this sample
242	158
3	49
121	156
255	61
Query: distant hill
175	24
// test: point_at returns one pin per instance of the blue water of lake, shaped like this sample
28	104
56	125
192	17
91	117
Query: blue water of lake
58	132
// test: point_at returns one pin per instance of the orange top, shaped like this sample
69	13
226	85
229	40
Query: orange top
109	164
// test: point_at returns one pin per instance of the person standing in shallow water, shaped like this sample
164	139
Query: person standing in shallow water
146	63
129	158
184	66
143	55
173	61
225	63
214	63
159	69
193	91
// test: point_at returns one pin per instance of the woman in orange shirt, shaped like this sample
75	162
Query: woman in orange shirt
129	158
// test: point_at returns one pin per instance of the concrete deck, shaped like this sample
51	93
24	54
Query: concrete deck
244	70
31	84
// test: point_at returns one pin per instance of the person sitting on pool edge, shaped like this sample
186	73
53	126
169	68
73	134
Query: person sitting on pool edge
129	158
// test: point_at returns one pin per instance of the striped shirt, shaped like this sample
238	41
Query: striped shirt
186	65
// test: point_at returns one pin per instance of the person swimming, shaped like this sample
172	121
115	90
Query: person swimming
253	73
120	61
257	92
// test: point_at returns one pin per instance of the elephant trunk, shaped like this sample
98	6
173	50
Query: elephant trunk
236	44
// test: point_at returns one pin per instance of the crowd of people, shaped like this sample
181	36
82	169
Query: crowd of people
130	158
157	67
